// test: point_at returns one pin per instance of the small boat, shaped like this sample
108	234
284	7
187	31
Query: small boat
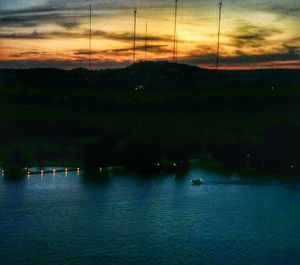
197	181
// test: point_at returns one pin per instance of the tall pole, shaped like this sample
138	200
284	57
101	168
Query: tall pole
175	30
176	50
90	39
134	34
146	40
219	32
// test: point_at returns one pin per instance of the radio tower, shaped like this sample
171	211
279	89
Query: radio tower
134	34
176	47
146	40
219	32
90	39
175	31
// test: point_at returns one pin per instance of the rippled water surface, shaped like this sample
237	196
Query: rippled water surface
65	219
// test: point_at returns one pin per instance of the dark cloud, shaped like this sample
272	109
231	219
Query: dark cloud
62	64
249	35
85	52
40	16
289	53
26	11
67	16
122	50
69	24
286	10
140	48
17	21
128	36
29	53
122	36
32	35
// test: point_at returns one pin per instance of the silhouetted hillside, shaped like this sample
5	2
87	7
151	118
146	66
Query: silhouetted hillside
152	75
151	113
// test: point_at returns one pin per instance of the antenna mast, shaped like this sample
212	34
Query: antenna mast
219	32
146	40
90	38
176	47
175	30
134	34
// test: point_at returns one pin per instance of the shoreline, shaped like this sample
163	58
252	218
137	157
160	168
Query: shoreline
69	165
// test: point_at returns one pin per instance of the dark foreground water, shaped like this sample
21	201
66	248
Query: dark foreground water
129	220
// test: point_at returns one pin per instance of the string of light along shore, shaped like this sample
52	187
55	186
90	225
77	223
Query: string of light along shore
175	36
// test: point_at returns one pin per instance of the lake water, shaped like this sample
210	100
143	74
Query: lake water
65	219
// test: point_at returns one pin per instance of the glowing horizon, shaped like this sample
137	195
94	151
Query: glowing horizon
52	33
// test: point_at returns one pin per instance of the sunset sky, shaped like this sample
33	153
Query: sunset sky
54	33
